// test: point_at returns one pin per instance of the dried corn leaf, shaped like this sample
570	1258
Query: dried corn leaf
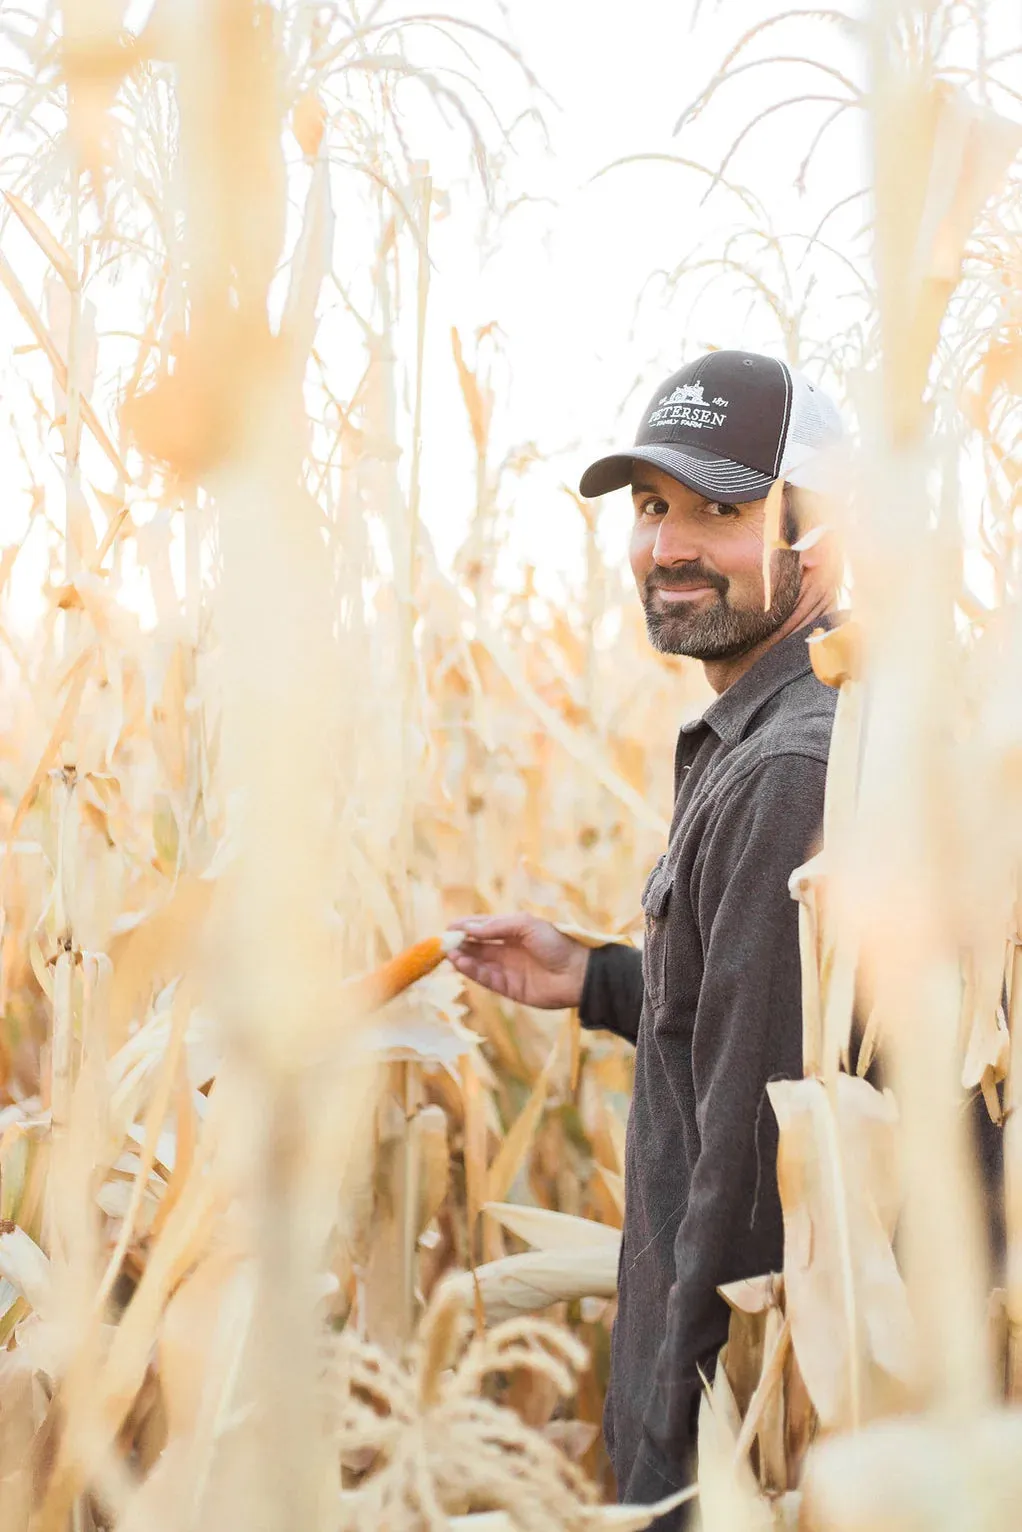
31	315
987	1043
26	1268
48	244
511	1154
546	1230
525	1284
154	947
952	155
592	938
728	1495
851	1325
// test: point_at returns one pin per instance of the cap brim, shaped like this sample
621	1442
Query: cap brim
718	478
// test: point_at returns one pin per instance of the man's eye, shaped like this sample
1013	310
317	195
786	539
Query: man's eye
654	507
723	510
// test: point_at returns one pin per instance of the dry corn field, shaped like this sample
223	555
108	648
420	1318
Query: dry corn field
297	1230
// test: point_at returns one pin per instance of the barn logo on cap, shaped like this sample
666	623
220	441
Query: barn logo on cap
689	393
687	406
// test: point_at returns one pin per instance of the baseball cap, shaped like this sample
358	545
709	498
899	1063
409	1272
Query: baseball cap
727	425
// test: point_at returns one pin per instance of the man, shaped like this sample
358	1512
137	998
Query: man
713	1004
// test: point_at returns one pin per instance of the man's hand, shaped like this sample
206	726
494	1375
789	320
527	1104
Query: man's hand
522	957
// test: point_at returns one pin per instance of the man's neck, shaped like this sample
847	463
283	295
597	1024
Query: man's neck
811	606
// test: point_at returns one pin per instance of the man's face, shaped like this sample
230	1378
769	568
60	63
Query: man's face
699	570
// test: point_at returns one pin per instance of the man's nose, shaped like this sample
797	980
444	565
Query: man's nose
675	543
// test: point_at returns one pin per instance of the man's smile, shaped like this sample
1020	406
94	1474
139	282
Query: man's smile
675	593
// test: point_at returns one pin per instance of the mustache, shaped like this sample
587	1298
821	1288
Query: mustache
685	577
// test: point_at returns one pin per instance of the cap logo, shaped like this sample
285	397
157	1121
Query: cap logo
688	393
687	406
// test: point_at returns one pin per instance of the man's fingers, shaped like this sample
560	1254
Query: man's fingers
472	963
493	928
481	950
489	975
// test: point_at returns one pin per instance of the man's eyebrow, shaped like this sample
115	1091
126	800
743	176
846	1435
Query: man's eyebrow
640	487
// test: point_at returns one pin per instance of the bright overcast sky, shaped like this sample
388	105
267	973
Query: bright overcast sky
563	275
565	285
570	261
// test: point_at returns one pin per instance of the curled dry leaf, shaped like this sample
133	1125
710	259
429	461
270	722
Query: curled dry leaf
24	1265
572	1437
836	653
308	123
766	1386
592	938
416	1034
742	1355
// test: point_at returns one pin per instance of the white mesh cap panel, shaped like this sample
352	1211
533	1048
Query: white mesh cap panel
814	431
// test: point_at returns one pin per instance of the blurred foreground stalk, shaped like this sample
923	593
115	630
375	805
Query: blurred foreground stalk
926	887
273	974
937	161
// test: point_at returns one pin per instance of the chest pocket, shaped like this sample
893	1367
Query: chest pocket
656	898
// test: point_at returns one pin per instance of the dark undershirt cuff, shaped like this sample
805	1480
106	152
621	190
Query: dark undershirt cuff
612	991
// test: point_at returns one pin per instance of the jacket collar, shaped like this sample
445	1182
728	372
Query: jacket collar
732	712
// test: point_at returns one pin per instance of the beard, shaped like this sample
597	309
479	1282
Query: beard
714	629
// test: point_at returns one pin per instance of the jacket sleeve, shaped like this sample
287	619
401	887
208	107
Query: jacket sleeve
747	1031
612	991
